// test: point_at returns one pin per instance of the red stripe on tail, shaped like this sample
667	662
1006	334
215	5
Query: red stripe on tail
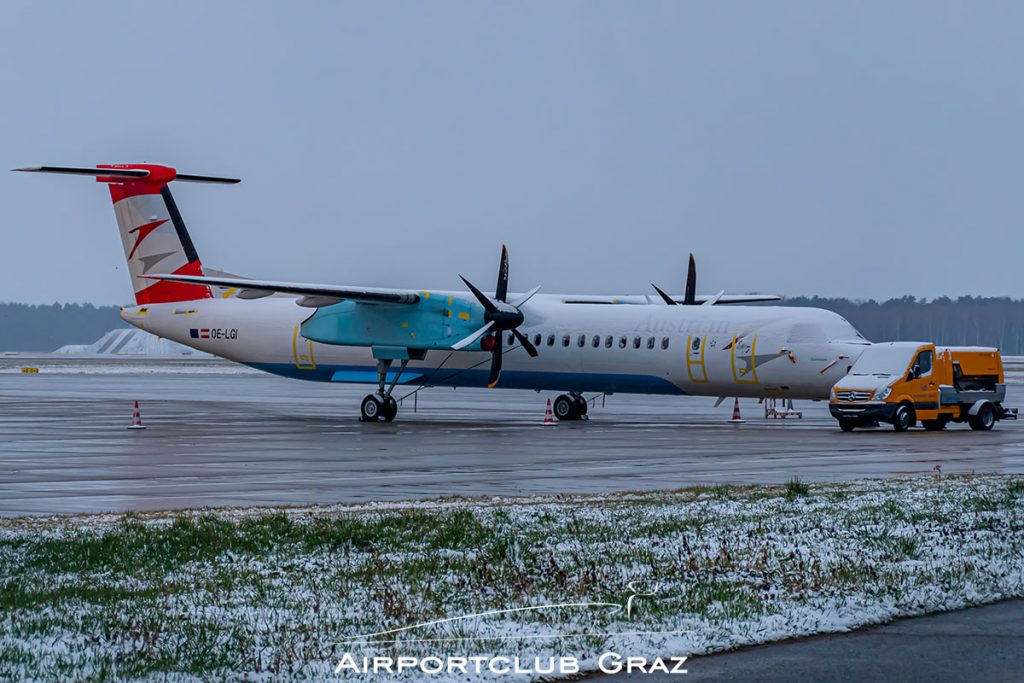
163	291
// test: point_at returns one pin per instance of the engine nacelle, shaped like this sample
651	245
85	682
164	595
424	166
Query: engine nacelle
434	322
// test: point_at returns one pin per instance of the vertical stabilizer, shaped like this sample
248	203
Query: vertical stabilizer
152	231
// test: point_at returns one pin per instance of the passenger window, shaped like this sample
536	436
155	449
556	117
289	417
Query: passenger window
608	341
636	342
664	342
536	340
622	342
924	362
582	341
650	342
597	341
511	339
565	340
551	340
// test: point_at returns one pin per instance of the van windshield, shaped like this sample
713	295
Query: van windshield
884	360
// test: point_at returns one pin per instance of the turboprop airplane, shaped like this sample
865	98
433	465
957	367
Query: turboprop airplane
392	337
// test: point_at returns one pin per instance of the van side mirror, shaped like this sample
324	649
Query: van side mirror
915	372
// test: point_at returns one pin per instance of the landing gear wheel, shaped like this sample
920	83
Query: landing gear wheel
390	409
903	419
984	420
847	425
581	406
566	408
933	425
372	409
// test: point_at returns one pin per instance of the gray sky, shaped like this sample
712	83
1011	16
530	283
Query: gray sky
859	149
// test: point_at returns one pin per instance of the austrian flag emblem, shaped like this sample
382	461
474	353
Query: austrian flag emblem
203	333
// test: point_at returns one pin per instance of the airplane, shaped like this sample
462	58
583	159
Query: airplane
500	339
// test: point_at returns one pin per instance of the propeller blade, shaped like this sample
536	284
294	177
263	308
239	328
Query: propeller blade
480	296
496	355
712	300
462	343
527	344
525	297
669	300
690	296
501	291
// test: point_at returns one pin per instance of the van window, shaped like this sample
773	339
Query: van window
924	361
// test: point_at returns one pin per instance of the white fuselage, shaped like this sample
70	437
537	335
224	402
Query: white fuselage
749	351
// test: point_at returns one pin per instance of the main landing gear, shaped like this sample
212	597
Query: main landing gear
570	407
381	406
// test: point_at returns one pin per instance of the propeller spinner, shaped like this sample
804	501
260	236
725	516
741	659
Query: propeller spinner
499	316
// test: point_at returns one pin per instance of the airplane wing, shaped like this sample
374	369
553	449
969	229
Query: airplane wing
312	295
699	299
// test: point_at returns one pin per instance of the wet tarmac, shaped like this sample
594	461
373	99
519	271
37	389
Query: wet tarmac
217	435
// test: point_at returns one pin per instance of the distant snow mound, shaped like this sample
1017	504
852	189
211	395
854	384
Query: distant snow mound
132	342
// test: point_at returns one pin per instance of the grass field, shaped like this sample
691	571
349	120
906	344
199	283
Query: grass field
276	593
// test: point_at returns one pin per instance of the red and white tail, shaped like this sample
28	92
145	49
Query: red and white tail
152	231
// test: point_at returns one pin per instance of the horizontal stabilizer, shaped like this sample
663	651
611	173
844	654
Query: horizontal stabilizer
126	173
313	295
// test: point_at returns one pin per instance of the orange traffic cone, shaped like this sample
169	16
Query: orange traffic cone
549	417
136	419
736	419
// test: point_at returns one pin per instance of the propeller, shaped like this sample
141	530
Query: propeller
499	316
690	295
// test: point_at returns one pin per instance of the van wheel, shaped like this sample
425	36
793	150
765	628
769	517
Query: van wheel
984	420
903	419
933	425
847	425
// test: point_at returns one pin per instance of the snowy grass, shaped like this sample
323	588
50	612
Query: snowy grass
271	593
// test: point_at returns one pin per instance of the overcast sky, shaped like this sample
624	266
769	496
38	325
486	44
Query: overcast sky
855	149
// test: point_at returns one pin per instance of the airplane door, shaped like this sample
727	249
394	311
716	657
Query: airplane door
695	367
302	351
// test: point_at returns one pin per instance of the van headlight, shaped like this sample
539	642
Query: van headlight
832	394
883	394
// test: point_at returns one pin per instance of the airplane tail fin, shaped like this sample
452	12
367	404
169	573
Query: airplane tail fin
152	231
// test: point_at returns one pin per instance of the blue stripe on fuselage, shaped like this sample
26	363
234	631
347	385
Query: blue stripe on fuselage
510	379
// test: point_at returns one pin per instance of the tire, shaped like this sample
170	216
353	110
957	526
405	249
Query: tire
903	419
934	425
371	409
565	408
390	409
984	420
581	405
847	425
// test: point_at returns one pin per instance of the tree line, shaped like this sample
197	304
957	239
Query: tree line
964	321
25	327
